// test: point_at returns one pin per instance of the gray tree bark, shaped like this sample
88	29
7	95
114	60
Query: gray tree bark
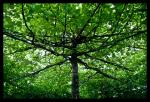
75	78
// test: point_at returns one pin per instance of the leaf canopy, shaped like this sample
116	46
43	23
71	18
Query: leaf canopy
113	45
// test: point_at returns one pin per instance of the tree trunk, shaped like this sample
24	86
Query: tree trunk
75	79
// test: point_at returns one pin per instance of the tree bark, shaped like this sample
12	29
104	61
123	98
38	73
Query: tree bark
75	78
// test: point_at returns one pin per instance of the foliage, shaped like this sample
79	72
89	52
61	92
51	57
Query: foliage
111	50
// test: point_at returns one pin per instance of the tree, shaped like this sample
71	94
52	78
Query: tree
92	36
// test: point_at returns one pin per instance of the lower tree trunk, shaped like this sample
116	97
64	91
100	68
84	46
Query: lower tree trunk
75	79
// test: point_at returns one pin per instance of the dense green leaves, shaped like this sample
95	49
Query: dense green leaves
108	39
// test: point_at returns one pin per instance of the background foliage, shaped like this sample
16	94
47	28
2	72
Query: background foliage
55	82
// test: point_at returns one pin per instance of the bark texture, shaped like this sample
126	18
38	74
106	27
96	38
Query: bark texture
75	78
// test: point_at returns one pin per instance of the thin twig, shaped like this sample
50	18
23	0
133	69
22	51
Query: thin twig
31	33
25	20
80	32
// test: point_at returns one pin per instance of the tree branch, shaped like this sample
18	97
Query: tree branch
56	16
20	50
111	63
95	69
48	66
97	25
116	25
111	44
137	47
127	37
80	32
31	34
38	71
118	19
56	44
36	44
25	20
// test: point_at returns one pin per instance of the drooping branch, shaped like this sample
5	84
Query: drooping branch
35	44
48	66
38	71
112	43
95	69
111	63
102	38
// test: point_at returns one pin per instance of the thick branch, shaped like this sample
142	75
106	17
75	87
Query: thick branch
56	44
111	44
30	42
